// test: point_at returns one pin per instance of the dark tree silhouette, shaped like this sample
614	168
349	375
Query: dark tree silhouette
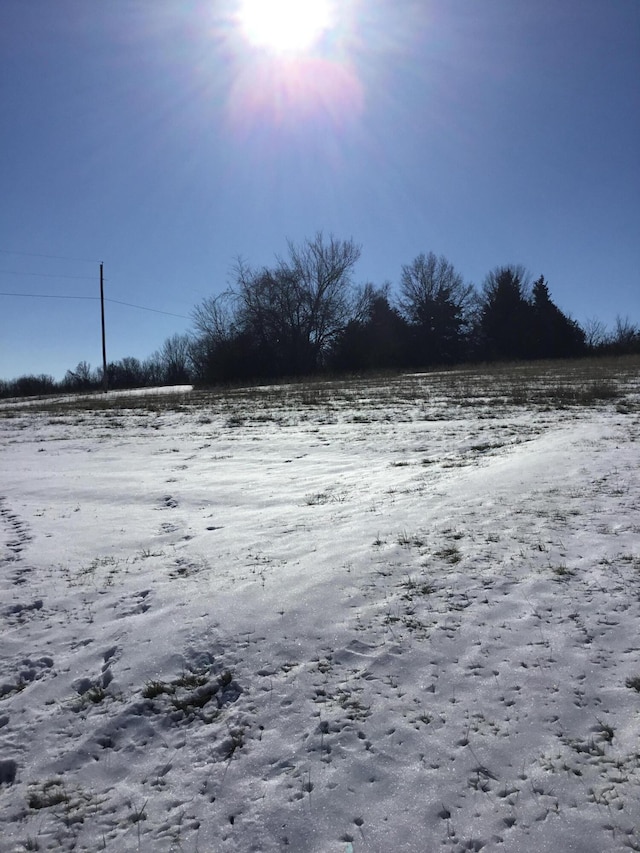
83	378
273	312
173	360
221	351
437	303
505	319
624	339
376	338
32	386
279	321
518	323
554	334
126	373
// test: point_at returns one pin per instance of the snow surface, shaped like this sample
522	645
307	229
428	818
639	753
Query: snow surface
382	616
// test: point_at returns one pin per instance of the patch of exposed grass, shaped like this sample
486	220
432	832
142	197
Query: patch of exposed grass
317	499
153	689
562	572
406	540
192	691
413	588
52	792
450	553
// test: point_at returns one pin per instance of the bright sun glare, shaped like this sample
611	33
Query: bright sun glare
284	26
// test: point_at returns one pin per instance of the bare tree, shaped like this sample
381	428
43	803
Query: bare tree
270	306
281	320
82	378
322	270
595	333
175	359
437	303
125	373
626	336
214	318
428	280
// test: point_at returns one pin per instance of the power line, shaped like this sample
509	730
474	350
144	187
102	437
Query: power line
55	257
48	296
48	275
144	308
96	298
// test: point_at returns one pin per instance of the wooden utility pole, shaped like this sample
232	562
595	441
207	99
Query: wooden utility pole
105	378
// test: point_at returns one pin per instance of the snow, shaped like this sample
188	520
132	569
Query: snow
394	615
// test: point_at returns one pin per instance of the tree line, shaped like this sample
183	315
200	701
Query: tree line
305	314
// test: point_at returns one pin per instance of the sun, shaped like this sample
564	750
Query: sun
285	26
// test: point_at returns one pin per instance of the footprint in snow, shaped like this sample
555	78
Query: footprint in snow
18	612
17	532
135	607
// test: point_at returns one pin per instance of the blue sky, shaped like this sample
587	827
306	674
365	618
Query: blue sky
154	137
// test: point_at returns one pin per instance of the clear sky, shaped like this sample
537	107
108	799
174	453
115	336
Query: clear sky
168	137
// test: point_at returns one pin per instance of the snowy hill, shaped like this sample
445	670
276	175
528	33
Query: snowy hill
383	615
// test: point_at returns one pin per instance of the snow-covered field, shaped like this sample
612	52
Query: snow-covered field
387	616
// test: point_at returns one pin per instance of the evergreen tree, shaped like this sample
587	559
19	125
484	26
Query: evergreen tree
554	334
436	302
506	316
374	340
